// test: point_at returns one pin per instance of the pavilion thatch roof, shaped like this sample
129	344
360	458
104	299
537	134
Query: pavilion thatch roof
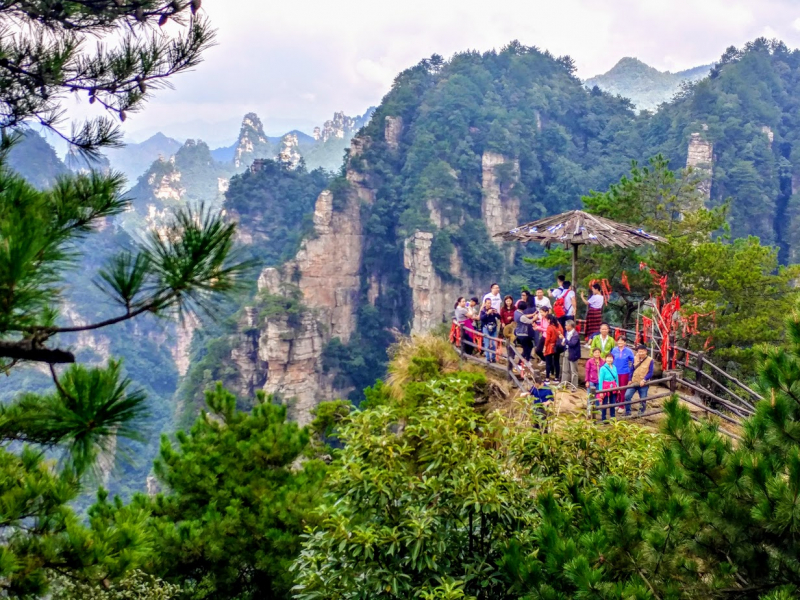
576	228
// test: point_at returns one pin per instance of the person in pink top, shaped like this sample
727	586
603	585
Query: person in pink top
592	379
540	329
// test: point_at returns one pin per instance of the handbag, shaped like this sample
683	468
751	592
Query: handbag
607	385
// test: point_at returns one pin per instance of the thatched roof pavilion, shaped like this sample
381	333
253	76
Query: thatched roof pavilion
576	228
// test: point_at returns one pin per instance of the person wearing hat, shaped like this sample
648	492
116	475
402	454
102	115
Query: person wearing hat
641	374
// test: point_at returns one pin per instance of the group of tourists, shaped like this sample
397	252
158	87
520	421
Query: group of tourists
544	324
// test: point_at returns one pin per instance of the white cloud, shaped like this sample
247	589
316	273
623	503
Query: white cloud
299	61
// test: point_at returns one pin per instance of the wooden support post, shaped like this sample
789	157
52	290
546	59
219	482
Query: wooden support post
673	383
701	358
575	267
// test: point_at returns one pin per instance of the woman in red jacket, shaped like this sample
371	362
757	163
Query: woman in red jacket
552	338
507	317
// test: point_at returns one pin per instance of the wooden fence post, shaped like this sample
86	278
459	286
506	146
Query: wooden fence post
673	383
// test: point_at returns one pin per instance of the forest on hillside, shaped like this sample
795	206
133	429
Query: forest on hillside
529	107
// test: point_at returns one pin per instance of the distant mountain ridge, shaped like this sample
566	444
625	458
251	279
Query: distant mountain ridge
134	159
645	86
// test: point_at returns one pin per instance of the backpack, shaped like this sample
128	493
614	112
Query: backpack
558	308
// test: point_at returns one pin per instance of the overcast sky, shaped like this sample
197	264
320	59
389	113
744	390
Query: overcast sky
295	62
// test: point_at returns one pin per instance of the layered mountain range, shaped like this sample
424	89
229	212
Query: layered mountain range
460	150
457	151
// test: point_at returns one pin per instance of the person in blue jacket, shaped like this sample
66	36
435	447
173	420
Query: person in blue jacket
623	361
608	379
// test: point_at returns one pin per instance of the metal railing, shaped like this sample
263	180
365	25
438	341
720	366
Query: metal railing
708	381
712	389
508	359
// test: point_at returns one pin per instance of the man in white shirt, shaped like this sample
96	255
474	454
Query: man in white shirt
494	296
569	303
557	291
541	300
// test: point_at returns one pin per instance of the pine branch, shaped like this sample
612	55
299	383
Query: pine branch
30	351
39	67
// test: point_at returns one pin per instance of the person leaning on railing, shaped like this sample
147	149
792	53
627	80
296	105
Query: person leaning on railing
640	377
463	319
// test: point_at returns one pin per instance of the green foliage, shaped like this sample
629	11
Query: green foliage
739	281
41	533
235	503
406	512
275	206
428	493
751	91
580	454
136	585
90	408
278	306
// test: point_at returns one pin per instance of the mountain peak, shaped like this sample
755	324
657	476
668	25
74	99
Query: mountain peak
645	86
252	142
631	64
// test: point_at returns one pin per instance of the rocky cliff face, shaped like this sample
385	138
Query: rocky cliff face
341	126
167	186
392	132
289	152
500	205
283	353
336	128
318	292
252	142
432	297
701	158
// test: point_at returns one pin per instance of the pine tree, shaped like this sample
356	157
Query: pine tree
45	54
235	501
51	442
